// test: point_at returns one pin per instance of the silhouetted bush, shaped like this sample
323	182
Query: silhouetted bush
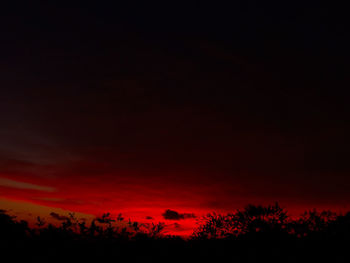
253	234
253	221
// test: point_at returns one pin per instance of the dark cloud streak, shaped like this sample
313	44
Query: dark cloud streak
58	217
174	215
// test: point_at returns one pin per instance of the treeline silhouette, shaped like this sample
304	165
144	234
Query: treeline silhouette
254	234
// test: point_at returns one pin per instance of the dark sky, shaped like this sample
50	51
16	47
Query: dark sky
195	107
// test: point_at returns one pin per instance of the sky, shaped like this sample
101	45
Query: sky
141	109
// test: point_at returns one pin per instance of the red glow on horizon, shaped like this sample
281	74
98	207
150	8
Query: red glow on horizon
133	197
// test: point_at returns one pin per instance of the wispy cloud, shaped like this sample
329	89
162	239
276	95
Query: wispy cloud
22	185
58	217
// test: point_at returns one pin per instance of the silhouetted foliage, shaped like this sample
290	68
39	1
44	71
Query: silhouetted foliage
271	234
252	221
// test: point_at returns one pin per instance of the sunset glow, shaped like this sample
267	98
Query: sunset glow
101	112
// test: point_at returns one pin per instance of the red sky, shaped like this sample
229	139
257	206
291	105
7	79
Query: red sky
138	197
103	112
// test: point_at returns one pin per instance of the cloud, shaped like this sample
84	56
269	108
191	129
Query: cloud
177	226
58	217
22	185
173	215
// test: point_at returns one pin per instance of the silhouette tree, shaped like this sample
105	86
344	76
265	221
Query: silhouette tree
40	221
321	236
11	229
252	220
